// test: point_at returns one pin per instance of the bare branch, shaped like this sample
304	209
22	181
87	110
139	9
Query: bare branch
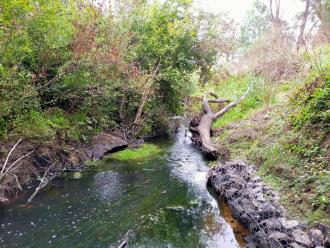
206	106
218	100
43	183
206	101
213	94
11	166
17	181
232	104
8	156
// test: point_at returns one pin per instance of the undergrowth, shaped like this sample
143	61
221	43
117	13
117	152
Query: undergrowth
287	137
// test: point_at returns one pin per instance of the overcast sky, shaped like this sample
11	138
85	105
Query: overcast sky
238	8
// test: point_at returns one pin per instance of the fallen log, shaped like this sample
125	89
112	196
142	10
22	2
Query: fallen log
201	129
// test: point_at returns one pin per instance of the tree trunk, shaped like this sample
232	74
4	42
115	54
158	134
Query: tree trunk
138	115
301	40
204	131
145	95
201	129
121	108
276	20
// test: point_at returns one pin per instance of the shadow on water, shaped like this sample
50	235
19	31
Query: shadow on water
163	201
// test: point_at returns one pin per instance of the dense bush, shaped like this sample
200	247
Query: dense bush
69	67
311	104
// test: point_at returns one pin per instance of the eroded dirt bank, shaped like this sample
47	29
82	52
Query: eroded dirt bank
257	207
52	158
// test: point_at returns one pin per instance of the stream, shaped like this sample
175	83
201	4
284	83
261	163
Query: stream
161	202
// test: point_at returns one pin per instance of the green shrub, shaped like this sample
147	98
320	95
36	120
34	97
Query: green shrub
310	104
34	125
70	70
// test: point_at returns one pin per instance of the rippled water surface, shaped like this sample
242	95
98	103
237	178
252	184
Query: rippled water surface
162	202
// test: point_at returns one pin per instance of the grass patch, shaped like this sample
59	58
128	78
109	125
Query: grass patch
274	181
145	152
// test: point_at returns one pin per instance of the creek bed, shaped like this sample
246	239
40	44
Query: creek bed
161	202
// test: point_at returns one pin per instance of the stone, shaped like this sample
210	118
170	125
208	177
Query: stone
289	224
295	245
271	224
269	211
175	208
250	245
301	237
257	190
237	211
257	206
105	143
279	236
77	175
42	156
231	193
248	238
316	236
274	239
4	200
245	219
327	242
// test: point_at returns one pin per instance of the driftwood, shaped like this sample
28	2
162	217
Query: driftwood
124	243
44	181
202	128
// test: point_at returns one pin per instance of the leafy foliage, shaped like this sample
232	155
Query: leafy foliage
257	23
71	57
311	104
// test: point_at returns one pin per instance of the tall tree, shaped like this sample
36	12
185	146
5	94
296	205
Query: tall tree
304	18
275	7
256	23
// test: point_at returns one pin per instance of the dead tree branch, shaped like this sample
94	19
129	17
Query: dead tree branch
9	169
202	130
8	156
44	181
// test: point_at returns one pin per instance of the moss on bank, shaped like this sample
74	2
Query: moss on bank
146	151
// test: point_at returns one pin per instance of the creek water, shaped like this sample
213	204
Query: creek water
161	202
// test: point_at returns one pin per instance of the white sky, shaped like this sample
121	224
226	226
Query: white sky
238	8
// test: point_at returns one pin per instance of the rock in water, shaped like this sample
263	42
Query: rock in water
176	208
77	175
105	143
